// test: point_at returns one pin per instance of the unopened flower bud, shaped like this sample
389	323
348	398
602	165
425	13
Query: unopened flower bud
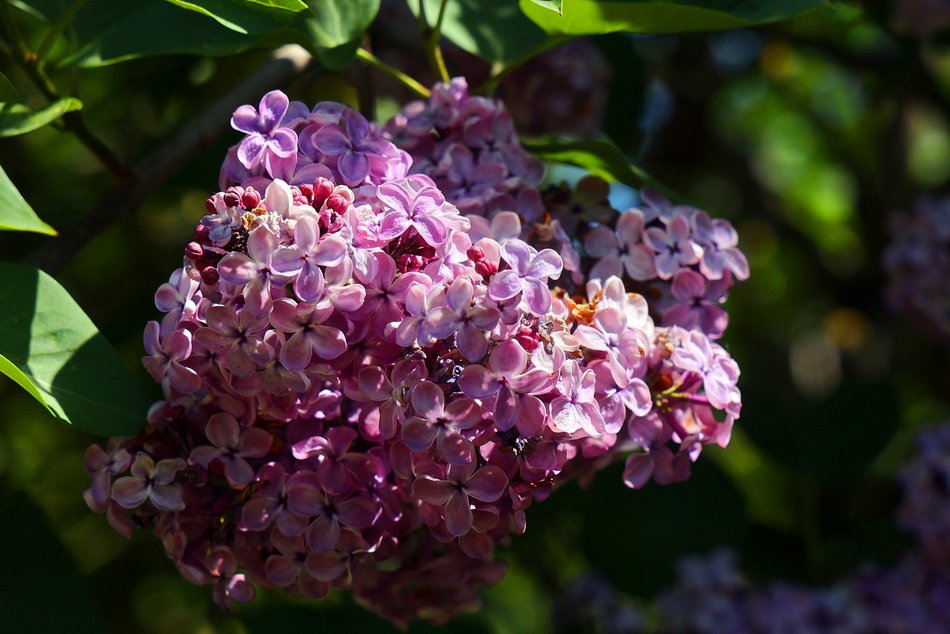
337	203
322	188
251	198
210	276
193	251
232	197
201	234
209	205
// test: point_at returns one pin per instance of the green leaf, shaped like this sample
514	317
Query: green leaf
53	344
15	213
495	31
19	118
551	5
600	159
7	91
246	16
336	28
106	32
591	17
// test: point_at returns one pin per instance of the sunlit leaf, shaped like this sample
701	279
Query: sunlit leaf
246	16
52	344
19	118
552	5
15	213
336	28
494	31
590	17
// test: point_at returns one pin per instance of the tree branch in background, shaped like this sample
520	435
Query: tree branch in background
288	63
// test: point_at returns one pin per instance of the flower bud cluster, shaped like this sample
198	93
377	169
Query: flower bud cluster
366	388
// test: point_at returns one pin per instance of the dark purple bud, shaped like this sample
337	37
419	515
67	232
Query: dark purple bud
251	198
307	191
210	276
232	197
193	251
209	205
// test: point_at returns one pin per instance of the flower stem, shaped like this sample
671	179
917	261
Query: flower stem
432	35
401	77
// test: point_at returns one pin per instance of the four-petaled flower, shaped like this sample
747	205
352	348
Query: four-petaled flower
528	274
152	482
266	142
434	422
232	445
452	493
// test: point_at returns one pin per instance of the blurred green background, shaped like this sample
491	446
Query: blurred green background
806	135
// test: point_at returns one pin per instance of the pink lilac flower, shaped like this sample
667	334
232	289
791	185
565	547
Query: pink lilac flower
435	423
621	250
452	493
528	274
166	354
266	142
152	482
718	240
306	256
697	303
254	270
233	333
232	446
674	246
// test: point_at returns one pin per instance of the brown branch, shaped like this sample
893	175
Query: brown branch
288	62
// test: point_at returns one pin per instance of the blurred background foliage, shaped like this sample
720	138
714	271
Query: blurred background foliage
808	135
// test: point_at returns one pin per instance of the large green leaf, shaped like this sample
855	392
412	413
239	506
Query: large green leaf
495	31
246	16
52	344
15	213
105	31
550	5
591	17
336	27
19	118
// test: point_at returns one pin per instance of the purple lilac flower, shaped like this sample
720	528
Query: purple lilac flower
266	142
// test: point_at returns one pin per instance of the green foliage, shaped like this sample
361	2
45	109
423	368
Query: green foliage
495	31
600	158
246	16
15	213
38	570
7	91
591	17
552	5
55	347
19	118
336	28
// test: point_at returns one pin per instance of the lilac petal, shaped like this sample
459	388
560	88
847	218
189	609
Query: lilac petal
331	140
129	493
324	534
309	284
508	358
472	343
567	416
455	449
353	168
255	443
431	229
517	254
281	571
334	477
326	566
458	514
431	490
394	197
637	470
487	484
477	382
272	108
295	354
504	285
304	497
428	400
246	120
418	434
688	285
639	263
237	268
357	513
537	297
258	513
283	316
223	431
204	454
330	252
251	151
547	263
507	408
167	497
327	342
283	144
393	225
459	294
183	379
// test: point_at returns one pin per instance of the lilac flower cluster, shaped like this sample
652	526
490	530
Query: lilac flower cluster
713	596
366	388
918	264
925	506
913	596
